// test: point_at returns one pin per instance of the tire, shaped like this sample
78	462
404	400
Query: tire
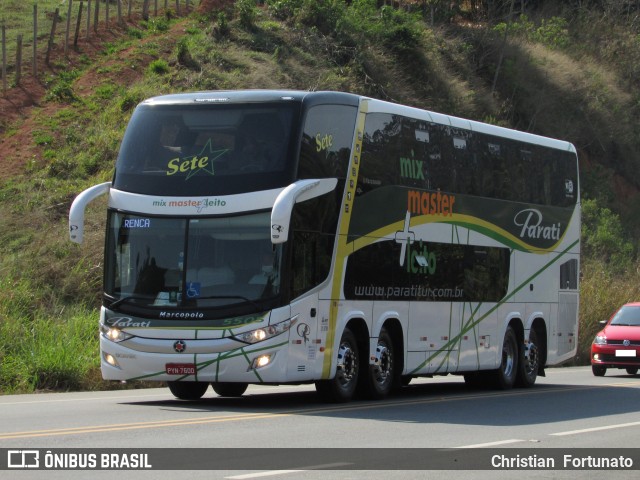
381	377
228	389
188	390
598	370
632	370
343	386
505	375
529	361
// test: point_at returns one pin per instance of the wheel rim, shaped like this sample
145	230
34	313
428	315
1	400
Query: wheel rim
383	370
347	368
531	358
508	358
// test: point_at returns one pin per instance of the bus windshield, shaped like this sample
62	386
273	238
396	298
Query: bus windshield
199	149
201	263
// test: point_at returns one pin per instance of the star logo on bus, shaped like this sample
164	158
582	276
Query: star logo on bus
180	346
405	237
204	160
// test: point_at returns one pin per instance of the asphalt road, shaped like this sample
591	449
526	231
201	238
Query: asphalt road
478	430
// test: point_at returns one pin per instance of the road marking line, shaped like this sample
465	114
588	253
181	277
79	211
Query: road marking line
493	444
284	472
595	429
274	415
263	474
138	397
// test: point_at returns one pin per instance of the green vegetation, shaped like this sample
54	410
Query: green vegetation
563	71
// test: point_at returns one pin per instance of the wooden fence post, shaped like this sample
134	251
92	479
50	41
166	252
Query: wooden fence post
19	59
75	37
96	12
51	35
35	41
66	32
120	22
4	58
145	10
88	19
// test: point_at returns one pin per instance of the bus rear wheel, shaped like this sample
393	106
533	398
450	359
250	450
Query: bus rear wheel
529	361
343	386
229	389
505	375
381	376
188	390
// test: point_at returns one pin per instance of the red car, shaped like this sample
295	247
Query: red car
617	345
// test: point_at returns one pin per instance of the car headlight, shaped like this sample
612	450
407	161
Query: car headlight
114	334
600	340
265	333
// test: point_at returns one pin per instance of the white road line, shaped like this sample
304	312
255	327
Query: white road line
101	398
595	429
493	444
285	472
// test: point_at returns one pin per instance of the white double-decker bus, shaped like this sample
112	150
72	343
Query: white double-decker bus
285	237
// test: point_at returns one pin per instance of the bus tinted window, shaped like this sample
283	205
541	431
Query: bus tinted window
420	154
200	149
326	141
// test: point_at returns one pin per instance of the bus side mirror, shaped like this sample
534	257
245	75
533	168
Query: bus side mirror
76	213
295	193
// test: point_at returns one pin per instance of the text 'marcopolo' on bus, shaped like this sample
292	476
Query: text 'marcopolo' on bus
286	237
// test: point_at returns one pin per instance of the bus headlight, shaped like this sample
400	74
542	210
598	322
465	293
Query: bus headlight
114	334
264	333
259	362
111	360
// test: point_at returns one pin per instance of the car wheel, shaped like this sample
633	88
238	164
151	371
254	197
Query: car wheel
598	370
632	370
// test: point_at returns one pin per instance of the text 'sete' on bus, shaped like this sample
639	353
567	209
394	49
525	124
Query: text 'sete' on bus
286	237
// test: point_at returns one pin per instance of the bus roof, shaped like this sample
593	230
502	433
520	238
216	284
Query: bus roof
369	104
254	96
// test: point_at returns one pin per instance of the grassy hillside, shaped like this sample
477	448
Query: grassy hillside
563	73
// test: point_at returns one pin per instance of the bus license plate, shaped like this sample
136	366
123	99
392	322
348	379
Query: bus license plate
180	368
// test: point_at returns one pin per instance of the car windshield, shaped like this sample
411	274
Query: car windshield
627	315
203	263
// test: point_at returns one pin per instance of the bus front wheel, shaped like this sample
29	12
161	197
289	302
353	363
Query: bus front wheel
228	389
342	387
188	390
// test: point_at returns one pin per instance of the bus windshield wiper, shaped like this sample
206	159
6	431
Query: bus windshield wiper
239	297
126	299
